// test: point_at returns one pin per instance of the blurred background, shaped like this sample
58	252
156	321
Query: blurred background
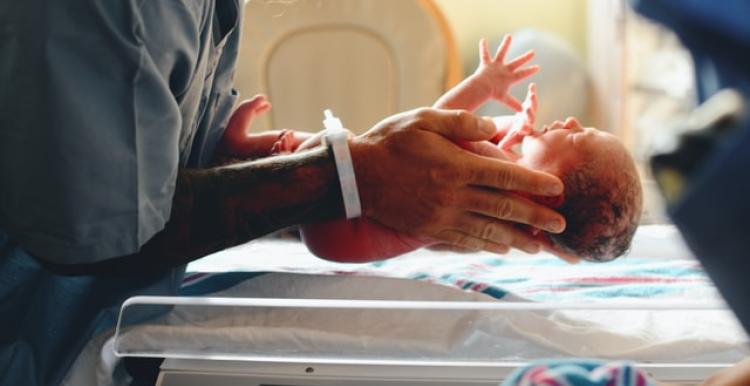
367	59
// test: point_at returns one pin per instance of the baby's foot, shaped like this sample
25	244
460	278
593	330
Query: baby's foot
234	141
285	144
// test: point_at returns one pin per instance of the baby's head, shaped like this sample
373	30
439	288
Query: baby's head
602	200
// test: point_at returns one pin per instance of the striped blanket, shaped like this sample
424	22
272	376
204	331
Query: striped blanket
579	373
516	276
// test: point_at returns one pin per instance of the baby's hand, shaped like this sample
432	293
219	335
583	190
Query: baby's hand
523	121
499	76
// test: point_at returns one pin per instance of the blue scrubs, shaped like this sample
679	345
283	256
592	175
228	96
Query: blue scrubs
101	103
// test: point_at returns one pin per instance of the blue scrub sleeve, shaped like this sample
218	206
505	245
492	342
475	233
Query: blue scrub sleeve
713	212
94	107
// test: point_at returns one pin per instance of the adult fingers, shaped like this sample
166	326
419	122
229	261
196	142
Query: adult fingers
466	241
497	232
505	175
443	247
484	148
511	207
549	248
520	60
458	124
565	256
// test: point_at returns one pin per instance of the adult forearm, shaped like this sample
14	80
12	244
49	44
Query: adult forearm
220	207
236	203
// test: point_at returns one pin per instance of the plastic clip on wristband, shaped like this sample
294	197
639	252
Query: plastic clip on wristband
336	137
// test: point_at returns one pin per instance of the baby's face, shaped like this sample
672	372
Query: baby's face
603	183
557	149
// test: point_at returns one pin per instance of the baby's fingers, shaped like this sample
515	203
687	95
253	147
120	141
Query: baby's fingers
572	123
555	126
512	102
530	102
484	51
502	50
525	72
521	60
530	121
534	99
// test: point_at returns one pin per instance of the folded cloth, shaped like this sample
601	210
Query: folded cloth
579	372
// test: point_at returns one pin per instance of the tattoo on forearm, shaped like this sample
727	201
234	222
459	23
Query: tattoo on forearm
224	206
247	200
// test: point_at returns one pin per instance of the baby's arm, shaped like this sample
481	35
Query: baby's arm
521	123
492	79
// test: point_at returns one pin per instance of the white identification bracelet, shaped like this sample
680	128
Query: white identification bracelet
337	138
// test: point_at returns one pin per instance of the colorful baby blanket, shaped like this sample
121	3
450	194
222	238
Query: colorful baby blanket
579	372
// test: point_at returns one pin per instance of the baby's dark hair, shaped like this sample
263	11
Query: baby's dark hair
602	208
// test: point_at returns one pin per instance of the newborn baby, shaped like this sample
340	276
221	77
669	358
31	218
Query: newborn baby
602	198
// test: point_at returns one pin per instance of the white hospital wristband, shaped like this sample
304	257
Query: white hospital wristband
336	137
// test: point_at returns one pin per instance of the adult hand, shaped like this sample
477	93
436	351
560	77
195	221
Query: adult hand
414	178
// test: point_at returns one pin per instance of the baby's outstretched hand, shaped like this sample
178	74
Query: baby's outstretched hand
500	76
523	121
